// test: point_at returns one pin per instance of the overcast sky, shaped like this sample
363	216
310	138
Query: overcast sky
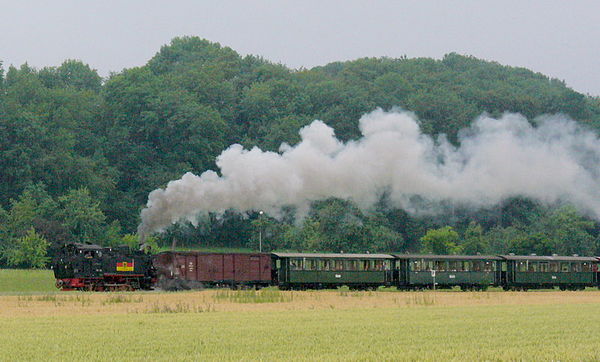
557	38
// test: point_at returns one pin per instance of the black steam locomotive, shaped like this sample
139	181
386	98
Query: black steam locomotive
95	268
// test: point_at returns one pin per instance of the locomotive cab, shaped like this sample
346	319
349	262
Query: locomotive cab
75	262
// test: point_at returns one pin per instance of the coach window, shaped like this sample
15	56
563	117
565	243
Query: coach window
387	264
477	265
522	266
296	264
328	264
554	267
351	265
586	267
455	265
544	266
467	265
417	265
310	264
576	267
364	265
440	265
488	266
319	263
427	265
338	265
533	267
564	267
323	265
452	265
370	265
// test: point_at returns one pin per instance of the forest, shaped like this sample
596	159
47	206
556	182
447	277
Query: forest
79	153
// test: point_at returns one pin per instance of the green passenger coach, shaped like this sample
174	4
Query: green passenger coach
317	271
566	272
470	272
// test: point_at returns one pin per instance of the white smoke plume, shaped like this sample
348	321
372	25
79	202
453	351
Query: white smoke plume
555	161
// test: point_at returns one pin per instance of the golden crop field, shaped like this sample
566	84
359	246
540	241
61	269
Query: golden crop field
313	325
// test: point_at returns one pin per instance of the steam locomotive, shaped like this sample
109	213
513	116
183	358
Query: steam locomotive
95	268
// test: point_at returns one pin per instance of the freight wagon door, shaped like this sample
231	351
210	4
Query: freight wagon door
265	268
211	267
254	268
228	267
243	266
180	266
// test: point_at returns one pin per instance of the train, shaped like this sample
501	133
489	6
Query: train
96	268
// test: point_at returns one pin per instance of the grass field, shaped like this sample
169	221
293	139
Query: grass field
313	325
26	281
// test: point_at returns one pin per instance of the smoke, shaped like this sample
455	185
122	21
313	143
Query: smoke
555	161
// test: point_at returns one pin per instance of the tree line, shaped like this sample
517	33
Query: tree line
79	154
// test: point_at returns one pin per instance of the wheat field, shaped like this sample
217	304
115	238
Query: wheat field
313	325
37	322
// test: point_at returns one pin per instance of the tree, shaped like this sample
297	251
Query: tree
440	241
81	215
341	227
29	251
71	73
133	241
267	233
63	127
534	243
384	239
567	232
474	240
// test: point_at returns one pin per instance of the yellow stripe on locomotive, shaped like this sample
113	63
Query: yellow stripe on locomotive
125	266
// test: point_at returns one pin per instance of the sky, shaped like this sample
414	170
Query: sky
558	38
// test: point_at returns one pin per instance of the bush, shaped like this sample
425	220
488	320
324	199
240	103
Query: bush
29	251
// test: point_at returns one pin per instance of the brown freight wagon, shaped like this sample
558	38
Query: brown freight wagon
199	269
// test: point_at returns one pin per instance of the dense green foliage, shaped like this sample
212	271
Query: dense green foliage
78	155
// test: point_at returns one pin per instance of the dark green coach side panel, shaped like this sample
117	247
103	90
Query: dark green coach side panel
451	278
556	278
335	277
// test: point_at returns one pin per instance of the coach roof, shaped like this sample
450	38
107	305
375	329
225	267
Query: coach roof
447	257
550	258
340	256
